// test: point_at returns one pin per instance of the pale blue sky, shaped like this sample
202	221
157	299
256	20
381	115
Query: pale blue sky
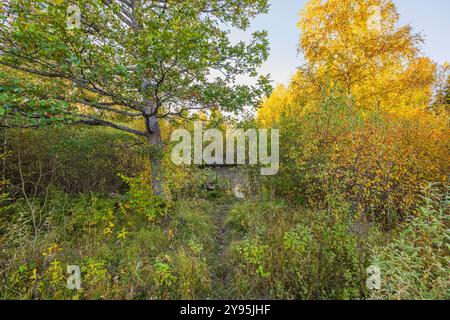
430	17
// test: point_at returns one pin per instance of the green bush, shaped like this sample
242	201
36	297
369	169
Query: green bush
73	159
415	265
287	253
141	200
121	253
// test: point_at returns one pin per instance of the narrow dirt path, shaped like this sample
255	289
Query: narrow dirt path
221	267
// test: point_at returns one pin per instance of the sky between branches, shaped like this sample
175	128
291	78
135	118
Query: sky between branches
428	17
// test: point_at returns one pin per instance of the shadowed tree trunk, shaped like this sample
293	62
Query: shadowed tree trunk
155	140
153	135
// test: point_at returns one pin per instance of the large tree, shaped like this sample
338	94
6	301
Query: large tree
127	60
359	45
356	49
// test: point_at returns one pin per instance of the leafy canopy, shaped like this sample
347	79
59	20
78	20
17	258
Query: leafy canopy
128	59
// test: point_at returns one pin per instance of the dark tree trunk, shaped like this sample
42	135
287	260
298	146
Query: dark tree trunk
155	140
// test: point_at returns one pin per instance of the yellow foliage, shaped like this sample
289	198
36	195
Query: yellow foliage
55	273
122	235
374	164
53	249
374	69
377	66
273	106
384	165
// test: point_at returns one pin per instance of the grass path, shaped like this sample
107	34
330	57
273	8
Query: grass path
220	267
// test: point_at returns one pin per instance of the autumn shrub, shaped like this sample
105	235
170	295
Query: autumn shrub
384	165
374	164
119	242
415	265
82	160
306	148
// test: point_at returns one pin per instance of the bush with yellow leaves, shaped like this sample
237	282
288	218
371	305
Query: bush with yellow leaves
373	163
383	165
